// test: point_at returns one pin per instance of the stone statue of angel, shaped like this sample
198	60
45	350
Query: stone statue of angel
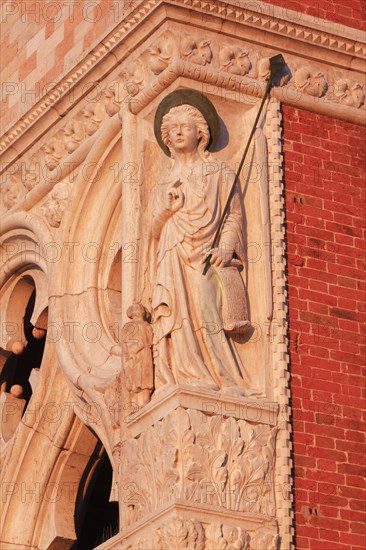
191	342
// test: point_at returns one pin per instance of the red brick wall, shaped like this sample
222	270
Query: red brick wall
325	197
41	41
346	12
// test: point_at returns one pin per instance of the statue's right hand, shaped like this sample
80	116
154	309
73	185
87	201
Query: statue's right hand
174	200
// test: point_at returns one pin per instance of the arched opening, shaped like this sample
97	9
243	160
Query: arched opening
96	515
22	365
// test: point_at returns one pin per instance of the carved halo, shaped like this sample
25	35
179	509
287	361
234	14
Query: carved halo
197	100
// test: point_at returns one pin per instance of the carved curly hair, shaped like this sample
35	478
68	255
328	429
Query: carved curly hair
200	121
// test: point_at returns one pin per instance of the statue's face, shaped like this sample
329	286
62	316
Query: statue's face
183	133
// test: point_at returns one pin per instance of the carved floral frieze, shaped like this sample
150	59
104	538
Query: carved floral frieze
139	75
260	18
46	162
180	533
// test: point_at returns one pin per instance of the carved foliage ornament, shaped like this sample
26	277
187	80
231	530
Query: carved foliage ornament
151	469
179	533
233	456
231	58
223	462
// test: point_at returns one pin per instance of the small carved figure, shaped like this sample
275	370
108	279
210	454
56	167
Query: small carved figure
56	203
137	337
95	113
196	51
112	98
160	55
74	134
223	537
349	93
235	60
311	83
54	151
11	191
264	72
32	175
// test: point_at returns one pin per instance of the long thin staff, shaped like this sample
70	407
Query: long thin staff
276	65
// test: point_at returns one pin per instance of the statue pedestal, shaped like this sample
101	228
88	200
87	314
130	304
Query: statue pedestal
197	471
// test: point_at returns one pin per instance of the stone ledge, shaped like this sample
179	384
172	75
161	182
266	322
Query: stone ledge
208	514
251	409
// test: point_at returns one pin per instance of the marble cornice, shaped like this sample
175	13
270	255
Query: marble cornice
284	30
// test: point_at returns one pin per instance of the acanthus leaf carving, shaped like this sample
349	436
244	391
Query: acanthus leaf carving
234	460
32	174
11	190
134	77
95	114
113	98
151	472
212	460
180	534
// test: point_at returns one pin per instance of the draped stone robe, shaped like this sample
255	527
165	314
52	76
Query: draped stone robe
190	345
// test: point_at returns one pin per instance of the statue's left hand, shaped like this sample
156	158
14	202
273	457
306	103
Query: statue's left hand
220	257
